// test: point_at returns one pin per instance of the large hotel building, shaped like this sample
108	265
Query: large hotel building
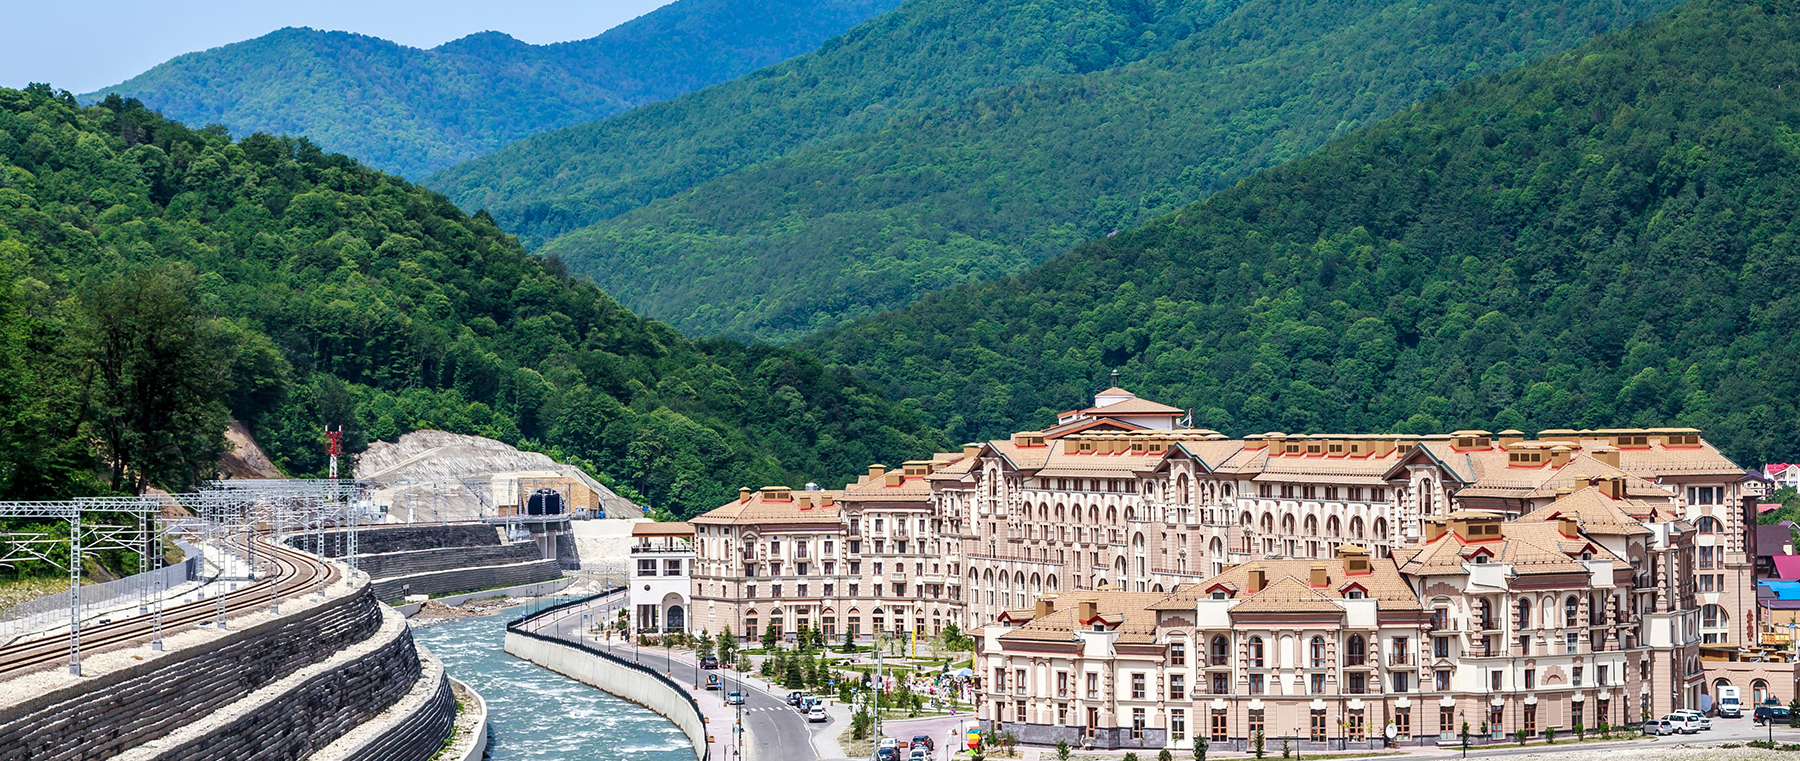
1132	582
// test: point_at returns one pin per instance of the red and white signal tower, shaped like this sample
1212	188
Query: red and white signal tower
334	446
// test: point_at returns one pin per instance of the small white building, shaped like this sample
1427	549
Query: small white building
662	568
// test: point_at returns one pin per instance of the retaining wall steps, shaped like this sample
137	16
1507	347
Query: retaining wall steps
467	579
375	540
411	562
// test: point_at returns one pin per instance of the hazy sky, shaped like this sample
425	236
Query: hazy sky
83	45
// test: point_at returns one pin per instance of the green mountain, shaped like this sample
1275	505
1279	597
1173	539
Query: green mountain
155	279
1606	237
992	184
986	182
412	111
926	53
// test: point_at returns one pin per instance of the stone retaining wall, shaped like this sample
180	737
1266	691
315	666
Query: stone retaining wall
320	710
100	718
419	736
379	539
411	562
644	686
465	580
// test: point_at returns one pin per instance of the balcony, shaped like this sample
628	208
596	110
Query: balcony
650	549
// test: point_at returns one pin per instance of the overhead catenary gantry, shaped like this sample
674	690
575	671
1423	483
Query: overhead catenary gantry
227	516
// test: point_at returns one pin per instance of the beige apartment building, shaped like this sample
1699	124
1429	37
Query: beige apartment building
1121	500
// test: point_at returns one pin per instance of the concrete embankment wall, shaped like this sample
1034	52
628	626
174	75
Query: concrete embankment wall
390	564
467	579
103	717
373	540
627	680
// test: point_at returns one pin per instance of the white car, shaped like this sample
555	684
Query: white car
1705	723
816	713
1683	723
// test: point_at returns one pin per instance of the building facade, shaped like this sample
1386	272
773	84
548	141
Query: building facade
661	577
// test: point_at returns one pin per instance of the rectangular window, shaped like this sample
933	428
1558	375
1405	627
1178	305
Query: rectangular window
999	680
1575	714
1062	714
1443	680
1318	684
1177	724
1530	718
646	567
1603	675
1400	652
1256	724
1577	675
1137	723
1093	686
1019	681
1354	726
1137	686
1177	687
1401	681
1440	647
750	591
1221	684
1177	654
1062	684
1357	683
1494	680
1530	679
1219	732
1093	720
1403	723
1447	720
1317	726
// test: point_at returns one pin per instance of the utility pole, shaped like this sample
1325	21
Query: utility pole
334	446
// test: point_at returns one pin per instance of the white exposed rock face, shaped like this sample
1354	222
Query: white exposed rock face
437	475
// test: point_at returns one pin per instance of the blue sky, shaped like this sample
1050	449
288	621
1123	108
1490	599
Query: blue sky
83	45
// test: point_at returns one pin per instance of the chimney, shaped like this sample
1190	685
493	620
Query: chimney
1087	611
1607	455
1045	606
1320	577
1613	488
894	479
1510	436
1258	580
1254	442
1569	527
743	494
1559	455
876	471
826	500
1433	530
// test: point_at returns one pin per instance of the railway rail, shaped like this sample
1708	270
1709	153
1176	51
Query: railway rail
297	573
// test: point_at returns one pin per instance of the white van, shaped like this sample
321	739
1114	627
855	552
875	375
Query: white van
1730	706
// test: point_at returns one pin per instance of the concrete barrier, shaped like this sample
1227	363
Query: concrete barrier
538	589
627	680
478	746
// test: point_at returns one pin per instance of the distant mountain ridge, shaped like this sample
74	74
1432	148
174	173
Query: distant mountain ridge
914	153
412	111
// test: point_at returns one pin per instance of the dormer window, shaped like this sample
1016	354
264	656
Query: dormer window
1354	594
1099	627
1479	560
1218	595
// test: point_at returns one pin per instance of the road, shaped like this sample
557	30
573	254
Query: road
777	732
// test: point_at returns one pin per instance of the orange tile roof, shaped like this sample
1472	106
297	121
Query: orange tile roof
801	507
1127	613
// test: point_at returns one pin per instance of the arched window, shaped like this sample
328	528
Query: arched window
1571	607
1707	525
1353	651
1219	650
1759	689
1318	652
1484	611
1524	613
1287	525
1181	490
1256	652
1333	527
1381	529
1356	528
1712	617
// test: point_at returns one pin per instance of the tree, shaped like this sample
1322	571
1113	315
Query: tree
770	638
1165	755
849	644
1062	750
1256	743
1794	712
158	377
703	645
727	646
1580	731
1200	746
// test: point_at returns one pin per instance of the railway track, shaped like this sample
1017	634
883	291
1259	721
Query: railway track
298	572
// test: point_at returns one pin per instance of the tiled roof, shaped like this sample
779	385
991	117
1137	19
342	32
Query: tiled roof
1787	567
910	489
1598	514
801	507
1287	595
653	528
1771	538
1023	458
1532	547
1383	583
1136	406
1128	612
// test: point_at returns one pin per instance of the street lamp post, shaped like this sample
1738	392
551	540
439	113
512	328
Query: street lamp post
1463	724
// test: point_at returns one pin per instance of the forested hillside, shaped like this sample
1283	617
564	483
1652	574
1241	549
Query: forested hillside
157	279
926	53
993	183
1607	237
412	111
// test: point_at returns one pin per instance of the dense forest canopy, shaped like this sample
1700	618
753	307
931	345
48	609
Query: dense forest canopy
986	186
1607	237
159	278
412	111
925	53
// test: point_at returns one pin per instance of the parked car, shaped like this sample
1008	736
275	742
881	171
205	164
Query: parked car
1659	727
1731	705
1684	723
712	682
709	662
919	753
1766	713
734	698
926	741
887	754
816	714
888	742
793	698
1698	717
